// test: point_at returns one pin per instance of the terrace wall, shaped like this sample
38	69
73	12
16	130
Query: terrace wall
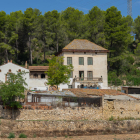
114	108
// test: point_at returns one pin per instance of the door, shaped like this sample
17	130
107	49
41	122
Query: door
81	75
89	75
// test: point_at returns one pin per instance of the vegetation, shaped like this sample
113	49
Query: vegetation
57	72
11	135
35	36
22	135
13	89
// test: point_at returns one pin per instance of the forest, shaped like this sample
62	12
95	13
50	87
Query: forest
34	37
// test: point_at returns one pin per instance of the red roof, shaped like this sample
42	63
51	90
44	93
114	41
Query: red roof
38	68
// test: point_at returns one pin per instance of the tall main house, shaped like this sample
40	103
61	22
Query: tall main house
90	64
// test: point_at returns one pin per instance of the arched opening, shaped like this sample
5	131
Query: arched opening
42	76
82	86
35	75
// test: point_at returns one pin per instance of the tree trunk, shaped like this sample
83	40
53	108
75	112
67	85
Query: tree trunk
17	48
6	55
57	44
13	113
31	62
44	54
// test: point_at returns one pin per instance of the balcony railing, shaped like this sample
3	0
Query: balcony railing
96	79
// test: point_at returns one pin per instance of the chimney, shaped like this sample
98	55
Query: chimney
11	61
8	61
26	65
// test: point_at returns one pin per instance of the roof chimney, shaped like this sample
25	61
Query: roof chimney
11	61
8	61
26	65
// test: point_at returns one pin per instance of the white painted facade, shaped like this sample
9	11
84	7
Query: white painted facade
99	67
4	69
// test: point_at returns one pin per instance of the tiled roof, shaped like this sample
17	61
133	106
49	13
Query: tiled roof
38	68
97	92
83	44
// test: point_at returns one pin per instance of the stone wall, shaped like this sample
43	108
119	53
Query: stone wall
69	128
114	108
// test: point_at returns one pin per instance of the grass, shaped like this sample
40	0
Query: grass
66	136
34	135
22	135
122	119
11	135
111	118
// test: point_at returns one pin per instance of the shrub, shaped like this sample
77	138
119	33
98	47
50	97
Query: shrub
111	118
34	135
22	135
11	135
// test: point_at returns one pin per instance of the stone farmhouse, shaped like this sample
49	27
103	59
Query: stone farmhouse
90	64
88	59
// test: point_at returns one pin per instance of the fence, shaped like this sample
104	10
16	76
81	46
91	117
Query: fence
61	101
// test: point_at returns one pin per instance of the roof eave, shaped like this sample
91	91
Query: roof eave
82	50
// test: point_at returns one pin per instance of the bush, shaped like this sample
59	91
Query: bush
22	135
111	118
11	135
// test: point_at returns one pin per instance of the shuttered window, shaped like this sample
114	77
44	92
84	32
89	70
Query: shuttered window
81	60
71	74
69	60
90	61
90	75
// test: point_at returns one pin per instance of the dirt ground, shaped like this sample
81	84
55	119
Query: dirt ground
94	137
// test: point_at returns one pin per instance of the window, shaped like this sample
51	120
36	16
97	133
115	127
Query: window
42	76
69	86
71	74
90	75
19	70
69	60
81	60
9	70
35	75
90	61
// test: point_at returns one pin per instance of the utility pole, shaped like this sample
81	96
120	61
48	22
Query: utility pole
129	7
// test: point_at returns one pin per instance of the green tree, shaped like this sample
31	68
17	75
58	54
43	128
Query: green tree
57	72
96	26
12	89
118	36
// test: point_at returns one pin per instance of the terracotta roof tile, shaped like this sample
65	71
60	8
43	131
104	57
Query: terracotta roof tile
83	44
97	92
38	68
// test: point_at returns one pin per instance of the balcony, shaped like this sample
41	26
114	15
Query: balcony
86	79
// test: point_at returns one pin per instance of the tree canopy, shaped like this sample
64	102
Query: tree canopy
57	72
12	89
32	36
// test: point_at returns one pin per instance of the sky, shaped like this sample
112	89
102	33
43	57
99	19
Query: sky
60	5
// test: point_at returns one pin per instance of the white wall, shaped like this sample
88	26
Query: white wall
14	68
34	83
99	66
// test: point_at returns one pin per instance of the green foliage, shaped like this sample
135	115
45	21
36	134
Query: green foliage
111	118
57	72
11	135
22	135
34	135
14	87
34	36
113	79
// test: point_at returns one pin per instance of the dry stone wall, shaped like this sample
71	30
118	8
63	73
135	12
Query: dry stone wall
116	108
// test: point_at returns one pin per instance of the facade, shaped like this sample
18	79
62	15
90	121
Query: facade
90	64
12	68
38	78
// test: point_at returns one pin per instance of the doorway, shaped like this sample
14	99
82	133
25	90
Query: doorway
81	75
